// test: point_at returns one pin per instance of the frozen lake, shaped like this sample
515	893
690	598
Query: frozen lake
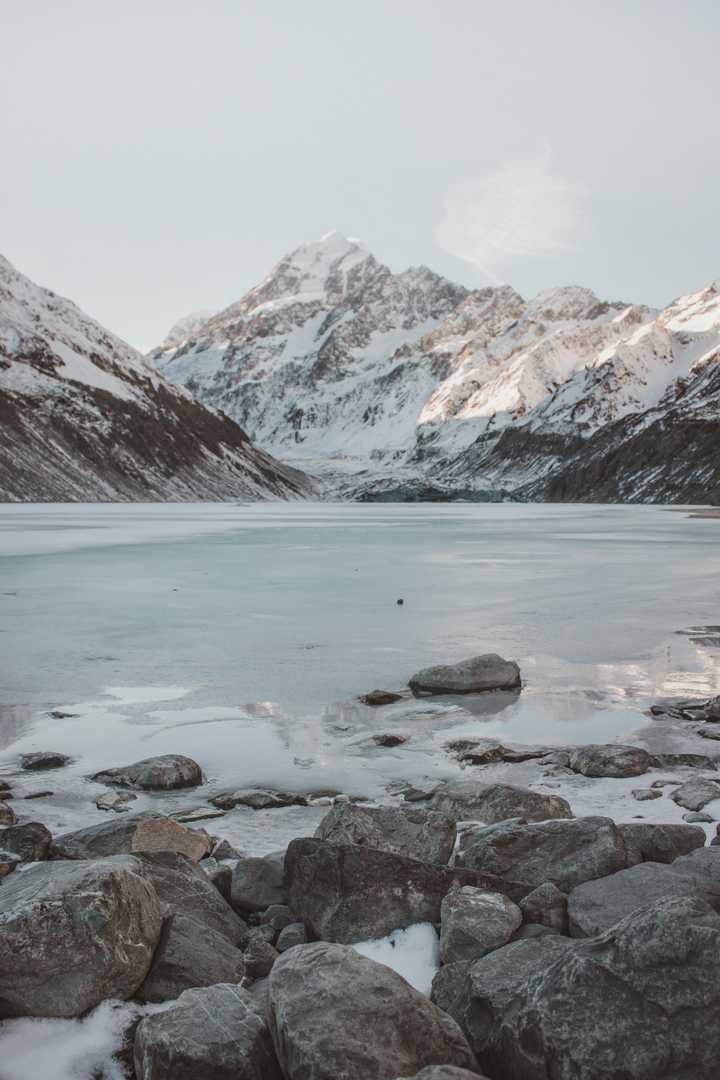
242	635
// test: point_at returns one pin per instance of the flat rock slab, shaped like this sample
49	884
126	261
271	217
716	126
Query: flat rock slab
610	760
365	1021
258	799
30	842
73	934
138	832
471	800
7	814
412	831
257	882
473	676
168	772
214	1032
43	759
564	852
349	893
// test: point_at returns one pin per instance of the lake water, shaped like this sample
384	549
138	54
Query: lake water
242	635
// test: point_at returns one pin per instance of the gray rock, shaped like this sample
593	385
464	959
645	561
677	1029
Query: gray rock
412	831
449	988
351	893
258	799
640	1002
610	760
223	849
147	831
259	957
380	697
183	889
220	874
73	934
470	834
278	916
365	1020
258	882
43	759
646	794
30	842
291	935
472	676
197	813
659	843
168	772
115	800
7	814
190	955
565	853
8	862
474	922
444	1072
546	906
695	794
698	815
214	1032
470	800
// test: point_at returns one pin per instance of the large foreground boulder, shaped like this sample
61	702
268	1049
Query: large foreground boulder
190	955
215	1032
472	676
565	853
350	893
147	831
471	800
168	772
473	922
183	889
412	831
611	760
642	1002
73	934
335	1015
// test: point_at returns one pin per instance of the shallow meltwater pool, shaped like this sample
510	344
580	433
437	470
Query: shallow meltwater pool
242	637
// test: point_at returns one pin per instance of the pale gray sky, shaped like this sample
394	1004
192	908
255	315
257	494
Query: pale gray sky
158	157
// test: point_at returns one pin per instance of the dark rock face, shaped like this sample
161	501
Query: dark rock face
168	772
412	831
214	1032
190	955
470	800
350	893
546	906
60	929
258	882
659	843
183	889
139	832
43	759
641	1001
365	1020
565	853
474	922
610	760
30	842
472	676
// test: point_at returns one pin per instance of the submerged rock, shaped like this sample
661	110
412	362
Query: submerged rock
472	676
146	831
258	799
168	772
471	800
659	843
380	697
412	831
610	760
7	814
546	906
365	1020
43	759
73	934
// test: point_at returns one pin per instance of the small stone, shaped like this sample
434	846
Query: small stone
60	714
400	602
43	759
546	906
224	850
7	815
278	916
698	815
473	922
645	794
291	935
260	957
380	697
167	772
197	813
115	800
389	739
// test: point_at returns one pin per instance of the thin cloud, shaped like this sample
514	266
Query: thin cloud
521	210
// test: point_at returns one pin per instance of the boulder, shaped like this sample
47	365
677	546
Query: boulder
73	934
412	831
641	1001
564	852
183	889
659	843
215	1031
7	814
43	759
349	893
546	906
695	794
380	697
258	882
147	831
365	1020
220	874
115	800
8	862
168	772
470	800
30	842
610	760
291	935
472	676
258	799
278	916
259	958
189	955
473	922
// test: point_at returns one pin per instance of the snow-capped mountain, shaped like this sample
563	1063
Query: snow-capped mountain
402	380
84	416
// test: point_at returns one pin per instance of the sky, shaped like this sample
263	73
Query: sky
159	157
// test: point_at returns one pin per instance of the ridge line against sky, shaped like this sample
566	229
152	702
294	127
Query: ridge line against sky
163	157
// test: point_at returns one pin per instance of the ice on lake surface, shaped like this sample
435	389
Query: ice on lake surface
243	635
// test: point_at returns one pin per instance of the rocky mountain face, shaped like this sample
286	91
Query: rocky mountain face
84	417
407	385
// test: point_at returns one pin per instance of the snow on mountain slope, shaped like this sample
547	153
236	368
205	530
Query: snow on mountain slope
83	416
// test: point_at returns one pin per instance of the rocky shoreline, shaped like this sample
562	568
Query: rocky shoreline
566	943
